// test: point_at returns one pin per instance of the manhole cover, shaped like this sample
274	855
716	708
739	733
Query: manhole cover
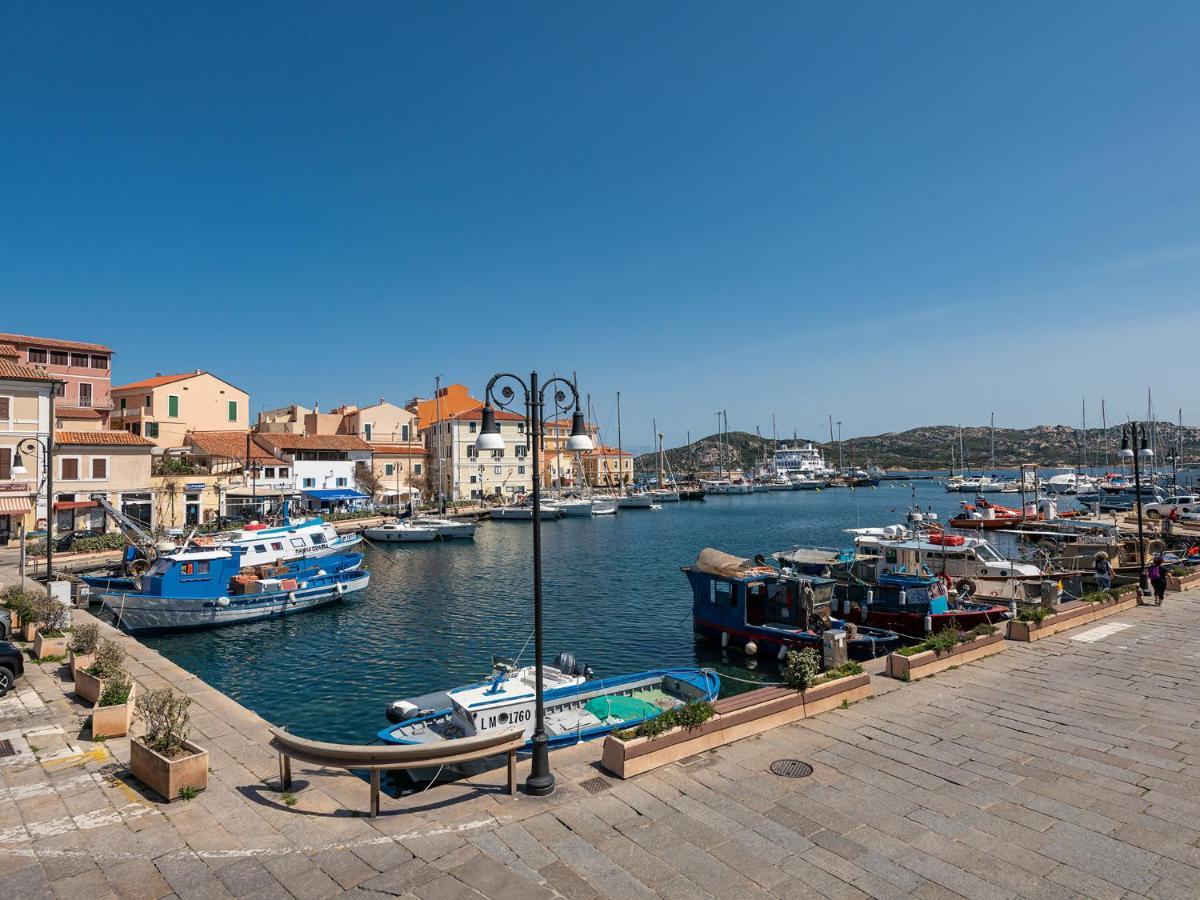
791	768
595	785
6	749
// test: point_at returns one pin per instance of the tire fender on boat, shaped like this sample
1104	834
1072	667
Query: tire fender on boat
339	589
291	596
751	648
724	639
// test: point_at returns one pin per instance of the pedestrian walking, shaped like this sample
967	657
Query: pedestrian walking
1158	578
1103	569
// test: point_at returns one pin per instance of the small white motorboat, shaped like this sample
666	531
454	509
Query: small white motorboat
574	506
400	533
447	528
523	512
665	495
605	507
643	500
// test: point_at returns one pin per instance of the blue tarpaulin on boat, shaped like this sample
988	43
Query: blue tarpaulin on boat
336	494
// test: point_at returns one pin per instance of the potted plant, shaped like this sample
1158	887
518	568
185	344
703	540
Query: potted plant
18	602
109	660
84	639
112	715
53	623
163	758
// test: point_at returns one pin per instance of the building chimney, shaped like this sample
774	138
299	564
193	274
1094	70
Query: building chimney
316	407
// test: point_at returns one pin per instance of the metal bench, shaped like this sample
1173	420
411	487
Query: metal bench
376	758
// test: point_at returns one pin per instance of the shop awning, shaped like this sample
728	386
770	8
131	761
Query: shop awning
14	506
336	494
261	492
74	504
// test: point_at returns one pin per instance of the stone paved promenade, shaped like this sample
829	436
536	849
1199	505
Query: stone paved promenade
1065	768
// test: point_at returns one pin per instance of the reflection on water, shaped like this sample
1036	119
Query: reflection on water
435	614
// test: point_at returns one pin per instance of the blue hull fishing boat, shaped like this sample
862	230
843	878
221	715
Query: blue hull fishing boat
576	708
759	608
212	588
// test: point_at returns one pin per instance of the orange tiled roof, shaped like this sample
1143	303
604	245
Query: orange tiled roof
454	398
76	412
608	451
101	438
398	449
10	369
311	441
8	350
502	415
52	343
157	381
227	445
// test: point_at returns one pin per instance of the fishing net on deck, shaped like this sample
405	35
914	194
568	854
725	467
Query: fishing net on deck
622	709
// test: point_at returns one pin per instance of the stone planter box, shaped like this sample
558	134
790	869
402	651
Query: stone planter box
79	662
736	718
1182	582
88	687
49	646
14	619
113	721
928	662
1070	618
167	777
28	630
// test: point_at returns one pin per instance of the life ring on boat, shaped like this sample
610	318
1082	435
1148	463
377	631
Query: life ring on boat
966	587
945	578
138	567
946	540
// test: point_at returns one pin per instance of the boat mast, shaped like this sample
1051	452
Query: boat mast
725	421
720	450
992	437
1104	428
620	451
437	416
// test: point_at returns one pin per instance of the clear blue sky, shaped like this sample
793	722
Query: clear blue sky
898	213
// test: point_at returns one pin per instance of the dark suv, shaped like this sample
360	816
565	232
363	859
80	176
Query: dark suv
12	666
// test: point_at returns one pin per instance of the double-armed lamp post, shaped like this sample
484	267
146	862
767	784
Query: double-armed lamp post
1135	447
565	396
31	445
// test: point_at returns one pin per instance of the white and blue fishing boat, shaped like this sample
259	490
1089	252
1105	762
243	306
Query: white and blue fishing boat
212	588
576	708
748	604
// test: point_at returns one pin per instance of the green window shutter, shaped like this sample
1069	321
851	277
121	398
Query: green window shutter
172	406
232	410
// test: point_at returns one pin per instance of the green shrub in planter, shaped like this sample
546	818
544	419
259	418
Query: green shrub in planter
85	638
1034	614
116	689
801	668
52	617
110	660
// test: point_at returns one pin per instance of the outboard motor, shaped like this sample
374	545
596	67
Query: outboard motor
403	710
565	663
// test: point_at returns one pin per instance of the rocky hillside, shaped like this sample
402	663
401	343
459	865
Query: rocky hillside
931	446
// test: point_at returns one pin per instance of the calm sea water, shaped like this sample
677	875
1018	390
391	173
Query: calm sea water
435	614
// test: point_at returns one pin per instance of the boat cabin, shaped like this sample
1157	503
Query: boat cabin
729	592
895	549
206	573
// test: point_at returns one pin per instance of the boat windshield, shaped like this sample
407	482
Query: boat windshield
987	553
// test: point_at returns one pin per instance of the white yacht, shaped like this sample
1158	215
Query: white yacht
523	512
640	500
571	506
401	533
806	461
665	495
447	528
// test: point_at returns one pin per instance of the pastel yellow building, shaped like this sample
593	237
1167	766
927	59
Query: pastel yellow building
26	399
608	467
163	409
115	464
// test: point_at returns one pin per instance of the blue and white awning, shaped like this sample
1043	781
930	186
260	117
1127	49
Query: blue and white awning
336	494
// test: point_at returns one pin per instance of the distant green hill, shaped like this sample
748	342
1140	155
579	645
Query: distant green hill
931	447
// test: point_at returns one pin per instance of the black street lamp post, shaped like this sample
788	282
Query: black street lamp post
31	445
1136	447
541	780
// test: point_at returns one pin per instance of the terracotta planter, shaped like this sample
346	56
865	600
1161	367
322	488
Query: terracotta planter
929	662
1080	614
14	619
49	646
113	721
80	661
88	687
28	630
1182	582
167	777
736	717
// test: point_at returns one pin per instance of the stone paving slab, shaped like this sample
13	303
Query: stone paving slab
1058	769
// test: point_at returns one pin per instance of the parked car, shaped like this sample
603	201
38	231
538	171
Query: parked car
1181	503
65	541
12	666
6	628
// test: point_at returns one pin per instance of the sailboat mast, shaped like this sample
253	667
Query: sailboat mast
620	451
1104	428
658	437
720	449
992	438
437	415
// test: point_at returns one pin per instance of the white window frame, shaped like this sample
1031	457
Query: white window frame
107	468
78	468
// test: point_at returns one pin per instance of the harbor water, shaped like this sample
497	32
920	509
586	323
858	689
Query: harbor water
434	614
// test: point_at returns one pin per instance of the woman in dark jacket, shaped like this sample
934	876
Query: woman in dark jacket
1158	578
